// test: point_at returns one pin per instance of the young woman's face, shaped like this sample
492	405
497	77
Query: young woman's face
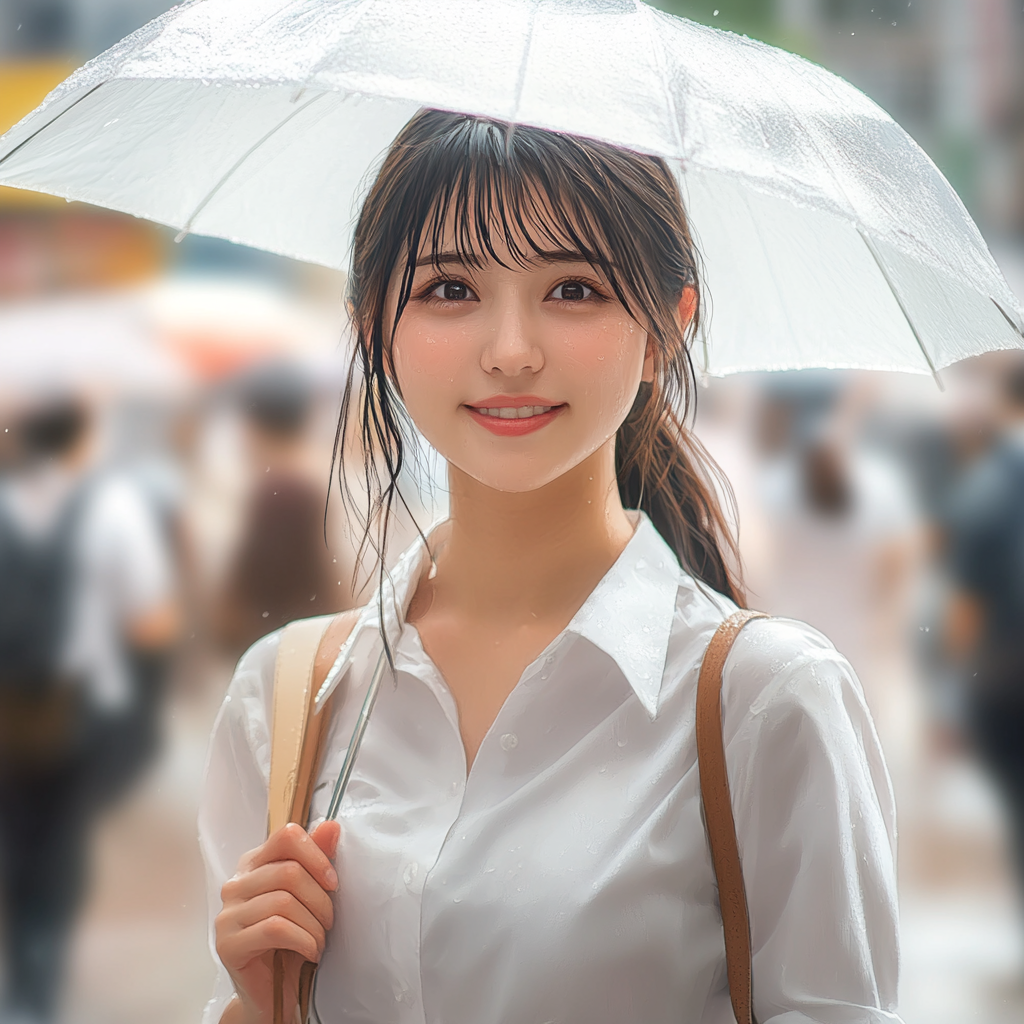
516	375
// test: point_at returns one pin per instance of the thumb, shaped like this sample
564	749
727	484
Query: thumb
325	835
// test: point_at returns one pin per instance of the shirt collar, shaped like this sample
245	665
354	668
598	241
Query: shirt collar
628	615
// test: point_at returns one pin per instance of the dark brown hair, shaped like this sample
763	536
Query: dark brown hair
622	212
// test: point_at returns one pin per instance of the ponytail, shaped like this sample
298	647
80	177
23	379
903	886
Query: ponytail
664	471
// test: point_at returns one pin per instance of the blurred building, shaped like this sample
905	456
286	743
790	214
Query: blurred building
79	27
949	71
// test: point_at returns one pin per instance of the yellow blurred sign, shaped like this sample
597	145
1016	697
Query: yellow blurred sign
23	86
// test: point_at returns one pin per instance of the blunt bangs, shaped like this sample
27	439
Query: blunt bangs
474	185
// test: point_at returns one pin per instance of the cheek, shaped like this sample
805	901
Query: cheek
427	361
607	361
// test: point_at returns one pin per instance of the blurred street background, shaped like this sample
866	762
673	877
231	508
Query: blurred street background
175	406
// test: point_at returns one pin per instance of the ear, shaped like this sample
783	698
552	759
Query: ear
687	306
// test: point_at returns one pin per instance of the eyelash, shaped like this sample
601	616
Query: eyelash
426	293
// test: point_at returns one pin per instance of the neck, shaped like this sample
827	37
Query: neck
525	554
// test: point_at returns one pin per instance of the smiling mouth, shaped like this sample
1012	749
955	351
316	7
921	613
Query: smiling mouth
515	420
521	412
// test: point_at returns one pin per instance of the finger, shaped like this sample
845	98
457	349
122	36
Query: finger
292	842
277	904
287	876
239	950
326	835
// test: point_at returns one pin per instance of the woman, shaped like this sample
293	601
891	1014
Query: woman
522	837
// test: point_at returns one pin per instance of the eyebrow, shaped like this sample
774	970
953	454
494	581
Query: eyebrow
461	259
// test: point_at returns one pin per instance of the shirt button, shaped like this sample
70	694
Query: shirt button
509	741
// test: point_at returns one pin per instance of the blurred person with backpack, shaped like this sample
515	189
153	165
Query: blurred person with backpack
87	618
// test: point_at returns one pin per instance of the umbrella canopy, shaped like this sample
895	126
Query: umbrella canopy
829	237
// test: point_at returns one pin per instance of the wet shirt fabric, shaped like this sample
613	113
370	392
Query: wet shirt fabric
566	877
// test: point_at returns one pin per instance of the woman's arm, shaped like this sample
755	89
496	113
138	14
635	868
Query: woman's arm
816	828
233	821
233	802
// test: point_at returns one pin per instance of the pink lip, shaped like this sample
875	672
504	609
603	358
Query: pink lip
516	427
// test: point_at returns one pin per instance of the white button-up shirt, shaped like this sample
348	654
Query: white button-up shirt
566	877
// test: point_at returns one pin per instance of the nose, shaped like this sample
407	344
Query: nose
510	351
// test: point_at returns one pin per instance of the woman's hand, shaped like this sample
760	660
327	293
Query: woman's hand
278	899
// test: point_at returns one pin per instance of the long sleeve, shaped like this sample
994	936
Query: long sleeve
816	827
233	807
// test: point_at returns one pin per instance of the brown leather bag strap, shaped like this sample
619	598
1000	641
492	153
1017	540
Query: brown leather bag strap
718	819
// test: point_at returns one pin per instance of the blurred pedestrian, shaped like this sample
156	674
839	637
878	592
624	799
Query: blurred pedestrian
845	542
985	619
282	566
87	617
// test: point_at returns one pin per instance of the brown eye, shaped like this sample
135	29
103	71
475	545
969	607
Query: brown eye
453	291
571	291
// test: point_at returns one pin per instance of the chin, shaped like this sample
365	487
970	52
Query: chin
516	472
511	479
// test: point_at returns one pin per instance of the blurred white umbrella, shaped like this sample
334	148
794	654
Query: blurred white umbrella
105	344
219	326
830	239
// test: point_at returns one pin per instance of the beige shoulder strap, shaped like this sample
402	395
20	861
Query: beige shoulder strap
718	819
289	793
297	738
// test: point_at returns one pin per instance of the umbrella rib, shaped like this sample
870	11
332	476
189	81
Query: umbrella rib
42	128
658	46
903	308
1006	316
238	163
521	77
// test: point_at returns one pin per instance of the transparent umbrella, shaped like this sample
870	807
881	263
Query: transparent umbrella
829	237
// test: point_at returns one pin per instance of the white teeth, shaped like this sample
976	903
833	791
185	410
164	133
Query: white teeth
520	413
